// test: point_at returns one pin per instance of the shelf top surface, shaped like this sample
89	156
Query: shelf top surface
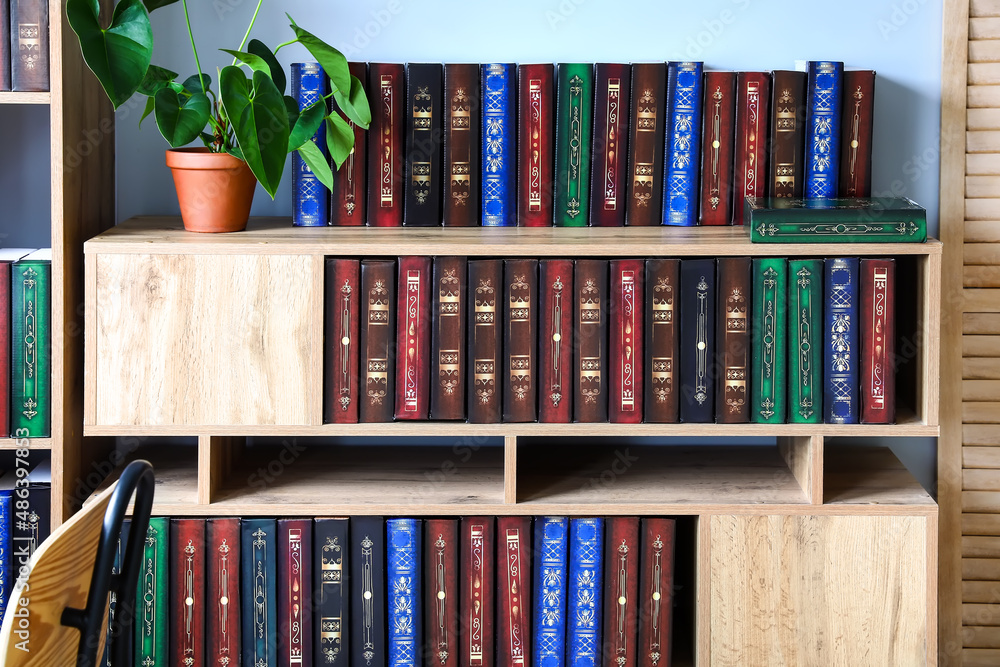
8	97
276	236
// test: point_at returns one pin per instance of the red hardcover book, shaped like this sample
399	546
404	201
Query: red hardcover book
621	601
350	191
649	85
718	137
378	342
385	153
753	92
520	340
441	592
187	584
878	332
448	338
590	345
856	133
485	340
295	644
555	342
341	326
656	591
609	175
475	626
662	341
513	591
461	145
732	341
222	620
626	334
413	338
535	149
5	348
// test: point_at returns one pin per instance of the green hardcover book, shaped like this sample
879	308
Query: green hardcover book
768	340
805	352
574	126
861	220
31	346
151	604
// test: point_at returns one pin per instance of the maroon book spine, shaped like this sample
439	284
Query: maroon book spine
441	592
378	344
718	139
878	332
625	334
786	171
461	145
649	85
732	403
4	46
295	644
856	133
29	40
5	348
656	592
385	153
513	591
662	340
475	627
621	584
341	325
520	340
350	192
555	342
187	582
535	149
413	338
485	340
448	338
753	91
609	174
222	622
590	360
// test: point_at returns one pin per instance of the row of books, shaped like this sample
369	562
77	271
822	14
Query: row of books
25	518
24	45
610	144
730	340
366	592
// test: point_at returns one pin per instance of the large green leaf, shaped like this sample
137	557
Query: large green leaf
193	85
256	63
259	49
156	78
317	163
355	106
150	106
119	55
259	119
339	138
156	4
181	118
306	124
234	92
333	61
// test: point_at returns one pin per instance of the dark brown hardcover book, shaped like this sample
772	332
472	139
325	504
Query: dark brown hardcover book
485	341
340	352
621	591
662	340
513	591
520	340
732	405
609	175
29	40
4	45
718	142
378	339
535	144
348	199
856	133
788	134
187	599
448	314
413	338
590	362
649	94
385	150
625	341
424	136
556	340
753	92
477	568
461	145
656	591
441	597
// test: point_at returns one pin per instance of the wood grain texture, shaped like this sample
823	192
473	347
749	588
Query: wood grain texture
980	480
981	164
980	368
929	323
982	119
981	276
982	50
982	253
980	73
980	323
980	524
984	28
981	591
41	98
981	547
984	8
510	469
982	208
980	390
984	96
804	458
980	615
982	300
984	636
216	457
981	457
980	569
980	657
981	413
703	592
858	474
983	141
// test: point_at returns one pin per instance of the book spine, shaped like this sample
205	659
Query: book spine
29	39
5	46
805	351
788	114
368	592
152	625
732	404
513	591
31	350
683	144
626	345
330	594
610	150
348	199
295	604
423	145
550	544
6	549
378	345
855	178
717	147
750	162
385	153
536	146
521	340
448	338
485	284
840	351
499	132
590	360
5	347
222	620
441	596
697	346
462	112
476	610
556	340
187	601
574	128
413	338
114	633
621	591
823	90
662	340
656	591
878	334
404	572
342	309
649	81
310	201
769	340
259	551
583	610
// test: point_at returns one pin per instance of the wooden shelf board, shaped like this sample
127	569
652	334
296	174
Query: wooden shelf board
8	97
277	236
10	444
869	475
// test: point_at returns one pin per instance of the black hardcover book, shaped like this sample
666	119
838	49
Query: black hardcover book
368	593
697	349
330	563
424	142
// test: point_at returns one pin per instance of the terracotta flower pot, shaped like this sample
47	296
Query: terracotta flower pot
215	190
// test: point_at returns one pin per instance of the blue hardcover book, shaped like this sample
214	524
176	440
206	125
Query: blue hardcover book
403	556
682	157
551	539
841	352
259	569
310	198
499	157
584	613
6	548
823	128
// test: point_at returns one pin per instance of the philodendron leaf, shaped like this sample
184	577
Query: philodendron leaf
333	61
181	119
156	4
119	55
256	63
150	105
192	85
156	78
306	124
355	106
234	92
257	112
339	138
317	163
258	48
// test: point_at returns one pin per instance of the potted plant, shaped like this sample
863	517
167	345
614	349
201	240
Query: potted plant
248	127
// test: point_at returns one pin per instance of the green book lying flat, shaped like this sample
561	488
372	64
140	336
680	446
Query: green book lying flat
861	220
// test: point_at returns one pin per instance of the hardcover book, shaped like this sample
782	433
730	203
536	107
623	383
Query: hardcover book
259	593
348	199
368	592
7	257
769	340
649	85
861	220
31	349
448	315
732	402
585	592
574	127
29	40
513	591
621	592
753	90
556	340
855	179
788	115
626	346
152	625
717	147
5	54
697	346
187	598
330	593
441	594
385	151
413	338
612	83
405	598
805	350
840	350
683	144
424	137
590	358
462	111
662	340
342	309
295	602
549	632
656	588
823	90
485	286
499	153
310	198
878	341
7	573
520	392
115	634
535	144
476	610
222	617
378	341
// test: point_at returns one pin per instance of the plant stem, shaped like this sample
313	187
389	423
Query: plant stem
201	77
283	45
249	27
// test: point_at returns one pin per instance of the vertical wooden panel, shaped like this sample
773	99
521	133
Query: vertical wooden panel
510	469
216	457
703	593
804	456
